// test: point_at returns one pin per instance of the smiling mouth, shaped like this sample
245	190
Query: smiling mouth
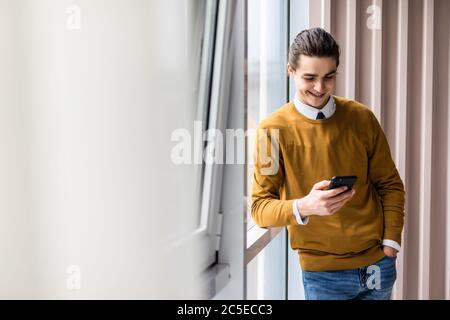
317	96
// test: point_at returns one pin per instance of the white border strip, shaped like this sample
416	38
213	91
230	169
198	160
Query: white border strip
425	151
350	52
401	126
377	63
325	15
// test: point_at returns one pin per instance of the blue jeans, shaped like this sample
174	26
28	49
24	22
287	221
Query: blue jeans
372	282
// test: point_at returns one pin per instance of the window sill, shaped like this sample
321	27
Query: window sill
257	239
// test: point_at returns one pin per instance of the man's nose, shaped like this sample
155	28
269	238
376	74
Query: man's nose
319	86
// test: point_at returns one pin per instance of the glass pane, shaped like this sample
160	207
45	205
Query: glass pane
267	76
299	20
203	14
266	273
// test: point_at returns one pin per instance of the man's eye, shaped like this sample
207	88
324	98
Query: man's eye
309	79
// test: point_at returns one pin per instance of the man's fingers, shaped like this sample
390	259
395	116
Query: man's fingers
345	196
321	185
333	192
337	206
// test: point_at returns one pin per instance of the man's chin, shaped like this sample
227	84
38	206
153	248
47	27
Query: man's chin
318	102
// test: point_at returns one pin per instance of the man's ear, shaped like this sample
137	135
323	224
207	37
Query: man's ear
290	70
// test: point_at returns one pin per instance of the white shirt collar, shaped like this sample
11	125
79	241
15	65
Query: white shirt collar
311	112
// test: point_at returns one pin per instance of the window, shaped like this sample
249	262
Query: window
267	26
267	59
204	51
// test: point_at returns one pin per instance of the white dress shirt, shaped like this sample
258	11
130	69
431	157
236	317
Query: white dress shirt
311	113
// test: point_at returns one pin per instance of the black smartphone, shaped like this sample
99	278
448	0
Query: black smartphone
340	181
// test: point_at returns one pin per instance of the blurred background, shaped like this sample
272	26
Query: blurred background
126	138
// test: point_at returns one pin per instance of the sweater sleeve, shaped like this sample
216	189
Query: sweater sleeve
268	210
385	178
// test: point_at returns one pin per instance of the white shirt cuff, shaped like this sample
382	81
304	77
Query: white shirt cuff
297	215
392	244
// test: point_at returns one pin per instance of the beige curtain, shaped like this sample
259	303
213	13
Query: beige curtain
395	59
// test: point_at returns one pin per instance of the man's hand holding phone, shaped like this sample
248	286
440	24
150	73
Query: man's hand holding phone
323	202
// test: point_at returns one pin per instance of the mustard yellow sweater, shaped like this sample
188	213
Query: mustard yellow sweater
351	142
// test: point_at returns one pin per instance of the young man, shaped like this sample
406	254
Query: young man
347	240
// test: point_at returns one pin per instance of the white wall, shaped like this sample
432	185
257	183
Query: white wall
85	171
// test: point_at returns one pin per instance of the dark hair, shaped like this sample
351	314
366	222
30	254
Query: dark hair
314	42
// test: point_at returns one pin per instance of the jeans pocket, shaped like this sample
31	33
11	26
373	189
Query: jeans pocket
388	269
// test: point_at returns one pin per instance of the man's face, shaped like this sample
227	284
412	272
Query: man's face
315	79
